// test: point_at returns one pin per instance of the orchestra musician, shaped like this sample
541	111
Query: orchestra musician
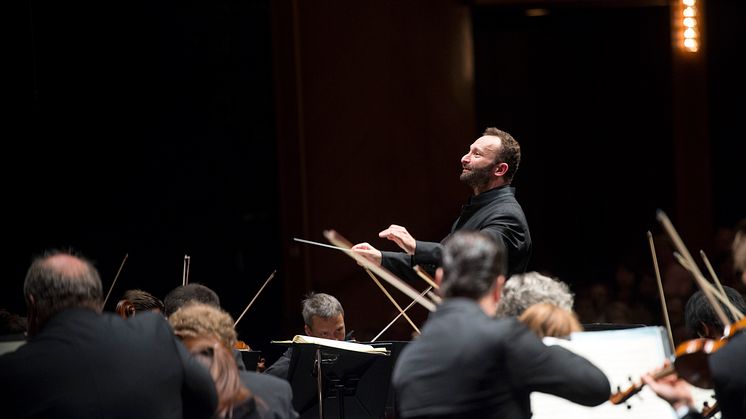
179	296
727	365
235	401
273	395
194	292
323	316
488	169
467	364
524	290
82	363
701	320
138	301
549	320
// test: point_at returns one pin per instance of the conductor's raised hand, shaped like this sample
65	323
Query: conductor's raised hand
401	237
368	251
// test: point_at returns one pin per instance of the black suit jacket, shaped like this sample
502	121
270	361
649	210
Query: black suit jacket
275	395
281	367
88	365
495	212
728	369
466	364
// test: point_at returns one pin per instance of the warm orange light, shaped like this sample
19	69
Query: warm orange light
688	25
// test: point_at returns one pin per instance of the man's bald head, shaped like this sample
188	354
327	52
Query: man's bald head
57	281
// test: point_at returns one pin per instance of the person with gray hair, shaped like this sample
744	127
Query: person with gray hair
466	364
524	290
82	363
323	316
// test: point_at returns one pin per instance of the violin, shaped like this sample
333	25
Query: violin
691	364
733	328
242	346
710	411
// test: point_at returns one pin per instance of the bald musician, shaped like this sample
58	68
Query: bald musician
466	364
82	363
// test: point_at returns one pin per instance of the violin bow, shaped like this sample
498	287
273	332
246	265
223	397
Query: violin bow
707	288
400	314
328	246
185	271
733	310
660	290
685	258
255	296
126	255
372	276
424	275
339	241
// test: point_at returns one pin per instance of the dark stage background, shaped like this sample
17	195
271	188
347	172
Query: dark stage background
223	129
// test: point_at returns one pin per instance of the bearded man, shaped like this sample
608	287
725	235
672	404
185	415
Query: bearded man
488	169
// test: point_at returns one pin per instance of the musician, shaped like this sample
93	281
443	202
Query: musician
141	301
323	316
727	365
466	364
547	319
82	363
194	292
273	395
183	294
524	290
488	169
235	401
701	320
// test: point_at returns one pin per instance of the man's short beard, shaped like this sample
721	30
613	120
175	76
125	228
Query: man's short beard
478	178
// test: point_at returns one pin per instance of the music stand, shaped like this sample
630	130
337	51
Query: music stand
345	384
250	359
395	347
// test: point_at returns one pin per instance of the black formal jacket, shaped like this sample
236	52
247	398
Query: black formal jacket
728	369
88	365
281	367
495	212
468	365
275	396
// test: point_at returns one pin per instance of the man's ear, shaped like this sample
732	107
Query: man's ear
498	289
501	169
439	276
307	330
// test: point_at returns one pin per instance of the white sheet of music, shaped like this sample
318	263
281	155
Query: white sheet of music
621	355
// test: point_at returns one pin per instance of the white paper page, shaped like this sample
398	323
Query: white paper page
620	354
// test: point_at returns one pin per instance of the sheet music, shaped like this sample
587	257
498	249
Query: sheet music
620	354
348	346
